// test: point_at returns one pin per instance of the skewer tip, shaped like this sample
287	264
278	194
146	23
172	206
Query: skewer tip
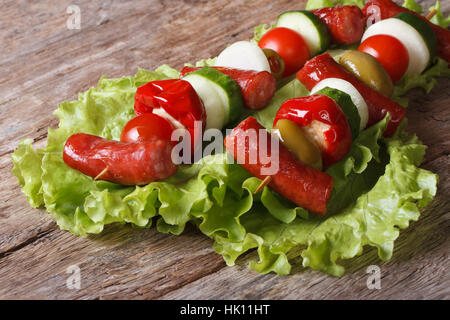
264	183
101	174
431	14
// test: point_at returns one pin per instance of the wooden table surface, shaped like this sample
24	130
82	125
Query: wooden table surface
43	63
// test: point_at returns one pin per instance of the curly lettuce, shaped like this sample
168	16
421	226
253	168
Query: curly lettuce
413	6
28	171
259	31
317	4
438	19
374	219
426	81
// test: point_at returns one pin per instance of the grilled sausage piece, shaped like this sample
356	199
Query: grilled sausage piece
133	163
297	182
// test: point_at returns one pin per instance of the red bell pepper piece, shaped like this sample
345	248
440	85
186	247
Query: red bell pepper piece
177	97
324	121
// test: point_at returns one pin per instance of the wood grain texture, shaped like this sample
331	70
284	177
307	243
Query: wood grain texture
43	63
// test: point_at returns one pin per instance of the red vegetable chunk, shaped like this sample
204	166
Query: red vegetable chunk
297	182
257	88
147	127
390	52
177	98
323	66
289	45
324	121
134	163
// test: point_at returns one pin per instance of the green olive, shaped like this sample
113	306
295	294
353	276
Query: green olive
298	142
368	70
276	63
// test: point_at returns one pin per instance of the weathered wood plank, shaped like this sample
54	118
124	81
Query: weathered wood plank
428	118
43	63
121	263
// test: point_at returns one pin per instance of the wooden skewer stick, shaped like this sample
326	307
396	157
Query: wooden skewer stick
264	183
431	14
101	174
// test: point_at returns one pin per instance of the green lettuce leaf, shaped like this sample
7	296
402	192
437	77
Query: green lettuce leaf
426	80
28	172
373	220
210	62
413	6
439	18
259	31
206	62
316	4
359	170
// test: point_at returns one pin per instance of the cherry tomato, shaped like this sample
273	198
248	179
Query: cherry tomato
390	52
147	127
289	45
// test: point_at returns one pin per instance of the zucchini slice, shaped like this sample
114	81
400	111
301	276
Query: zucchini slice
220	94
309	26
